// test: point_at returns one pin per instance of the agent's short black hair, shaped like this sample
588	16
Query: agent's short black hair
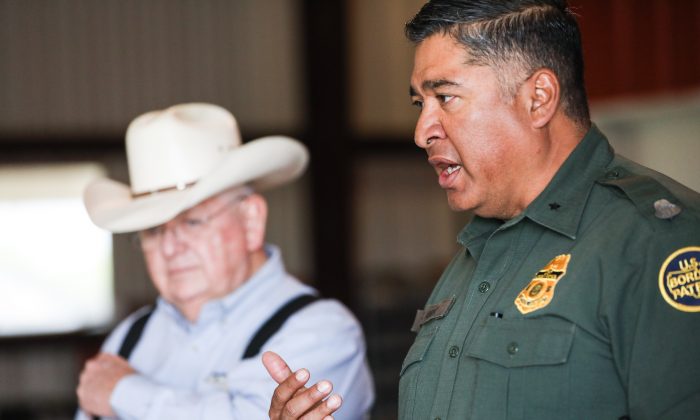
514	37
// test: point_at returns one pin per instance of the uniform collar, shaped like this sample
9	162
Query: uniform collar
476	233
560	206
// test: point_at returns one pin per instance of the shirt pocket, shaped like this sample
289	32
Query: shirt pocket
419	347
524	361
410	369
523	342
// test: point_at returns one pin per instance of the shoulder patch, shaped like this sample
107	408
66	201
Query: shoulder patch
679	279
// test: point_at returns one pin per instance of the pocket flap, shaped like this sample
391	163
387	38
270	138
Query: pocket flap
419	348
523	342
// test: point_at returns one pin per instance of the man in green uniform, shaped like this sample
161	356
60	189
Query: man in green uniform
577	292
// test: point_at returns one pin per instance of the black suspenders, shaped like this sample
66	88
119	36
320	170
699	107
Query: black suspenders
134	334
267	330
131	338
275	322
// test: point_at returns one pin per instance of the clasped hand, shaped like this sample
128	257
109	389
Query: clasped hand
97	381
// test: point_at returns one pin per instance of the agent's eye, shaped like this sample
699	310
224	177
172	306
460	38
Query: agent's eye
445	98
418	104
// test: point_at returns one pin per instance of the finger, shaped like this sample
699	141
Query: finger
307	403
288	390
325	409
276	366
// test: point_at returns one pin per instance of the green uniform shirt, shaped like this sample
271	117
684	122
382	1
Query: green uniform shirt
604	267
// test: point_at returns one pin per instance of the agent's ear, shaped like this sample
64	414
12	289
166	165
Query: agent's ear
544	93
254	215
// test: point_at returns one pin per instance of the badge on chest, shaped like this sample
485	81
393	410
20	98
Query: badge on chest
540	291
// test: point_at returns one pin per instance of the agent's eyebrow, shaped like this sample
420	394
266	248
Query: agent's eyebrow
432	85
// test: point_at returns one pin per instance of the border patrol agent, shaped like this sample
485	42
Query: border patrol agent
585	306
576	294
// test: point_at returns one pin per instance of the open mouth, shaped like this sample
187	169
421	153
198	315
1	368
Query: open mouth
451	169
446	169
449	175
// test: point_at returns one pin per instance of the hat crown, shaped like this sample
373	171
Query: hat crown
177	146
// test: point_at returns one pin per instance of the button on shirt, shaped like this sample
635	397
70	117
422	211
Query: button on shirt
601	343
194	370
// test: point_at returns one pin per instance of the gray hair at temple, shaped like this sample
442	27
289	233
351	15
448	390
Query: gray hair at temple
515	38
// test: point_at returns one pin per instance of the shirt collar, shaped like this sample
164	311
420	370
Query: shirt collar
476	233
560	206
218	309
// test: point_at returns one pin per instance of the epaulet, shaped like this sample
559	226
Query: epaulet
651	198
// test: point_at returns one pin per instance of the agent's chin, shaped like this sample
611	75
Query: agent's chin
457	202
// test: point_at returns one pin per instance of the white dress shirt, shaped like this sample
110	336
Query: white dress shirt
194	370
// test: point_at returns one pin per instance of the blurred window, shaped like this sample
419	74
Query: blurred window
56	269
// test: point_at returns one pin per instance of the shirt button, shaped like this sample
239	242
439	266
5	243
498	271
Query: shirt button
614	174
454	351
512	348
484	287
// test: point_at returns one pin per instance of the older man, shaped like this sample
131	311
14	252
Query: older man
224	293
577	291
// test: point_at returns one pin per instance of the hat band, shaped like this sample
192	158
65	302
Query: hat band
178	187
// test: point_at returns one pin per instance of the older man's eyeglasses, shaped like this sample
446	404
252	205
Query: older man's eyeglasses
186	226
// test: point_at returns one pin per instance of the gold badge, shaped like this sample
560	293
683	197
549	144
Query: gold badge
540	291
679	279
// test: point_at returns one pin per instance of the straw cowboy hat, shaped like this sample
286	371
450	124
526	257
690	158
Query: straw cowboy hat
179	157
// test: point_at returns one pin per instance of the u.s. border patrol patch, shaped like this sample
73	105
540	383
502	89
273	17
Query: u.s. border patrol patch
540	291
679	279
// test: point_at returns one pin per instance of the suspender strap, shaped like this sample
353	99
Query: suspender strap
263	334
275	322
267	330
134	334
132	337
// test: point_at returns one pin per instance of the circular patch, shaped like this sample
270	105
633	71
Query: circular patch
679	279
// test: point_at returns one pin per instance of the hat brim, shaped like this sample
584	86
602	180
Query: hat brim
262	164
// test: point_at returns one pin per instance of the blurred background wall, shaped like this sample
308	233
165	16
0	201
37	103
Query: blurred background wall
368	224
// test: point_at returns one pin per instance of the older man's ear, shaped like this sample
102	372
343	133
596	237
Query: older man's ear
253	212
